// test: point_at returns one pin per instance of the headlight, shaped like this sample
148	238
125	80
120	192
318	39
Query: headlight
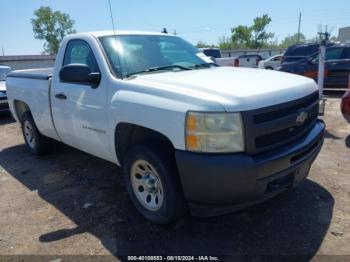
214	132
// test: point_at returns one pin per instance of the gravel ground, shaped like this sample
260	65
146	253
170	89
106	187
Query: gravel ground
70	203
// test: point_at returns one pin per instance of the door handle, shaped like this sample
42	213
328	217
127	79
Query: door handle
61	96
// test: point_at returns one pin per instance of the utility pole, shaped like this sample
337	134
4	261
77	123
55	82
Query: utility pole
175	33
3	51
299	27
324	36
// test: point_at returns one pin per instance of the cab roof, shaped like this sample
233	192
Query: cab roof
120	32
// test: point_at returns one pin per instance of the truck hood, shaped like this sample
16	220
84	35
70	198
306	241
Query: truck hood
236	89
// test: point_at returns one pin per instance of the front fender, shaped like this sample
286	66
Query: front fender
160	114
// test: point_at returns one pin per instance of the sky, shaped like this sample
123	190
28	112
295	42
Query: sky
201	20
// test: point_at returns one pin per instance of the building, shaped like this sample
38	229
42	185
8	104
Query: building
27	61
344	34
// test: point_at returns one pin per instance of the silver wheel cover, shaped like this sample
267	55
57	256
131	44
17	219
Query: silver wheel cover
146	185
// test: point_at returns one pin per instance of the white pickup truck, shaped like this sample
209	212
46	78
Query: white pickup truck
215	55
188	134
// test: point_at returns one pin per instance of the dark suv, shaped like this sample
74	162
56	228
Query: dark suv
337	66
300	51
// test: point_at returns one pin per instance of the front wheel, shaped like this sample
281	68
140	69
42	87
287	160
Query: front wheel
153	185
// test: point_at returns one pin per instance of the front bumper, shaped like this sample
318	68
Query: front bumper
220	183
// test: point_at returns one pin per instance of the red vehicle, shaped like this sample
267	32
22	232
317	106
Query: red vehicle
345	104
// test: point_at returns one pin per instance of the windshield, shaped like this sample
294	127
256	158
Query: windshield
131	54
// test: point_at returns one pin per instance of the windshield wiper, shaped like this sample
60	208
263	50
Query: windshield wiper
159	68
206	65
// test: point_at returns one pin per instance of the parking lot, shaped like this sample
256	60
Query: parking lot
71	203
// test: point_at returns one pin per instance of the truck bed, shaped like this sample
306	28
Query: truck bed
32	87
40	73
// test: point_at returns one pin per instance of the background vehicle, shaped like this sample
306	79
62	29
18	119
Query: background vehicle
337	66
298	52
215	55
186	133
250	60
271	63
4	70
345	104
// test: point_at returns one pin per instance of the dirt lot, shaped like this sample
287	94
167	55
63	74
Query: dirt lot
70	203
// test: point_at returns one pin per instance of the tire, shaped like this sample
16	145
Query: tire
154	190
269	68
35	141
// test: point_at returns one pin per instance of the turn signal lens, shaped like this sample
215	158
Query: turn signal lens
191	123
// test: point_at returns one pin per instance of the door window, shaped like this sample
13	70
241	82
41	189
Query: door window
346	53
334	53
79	52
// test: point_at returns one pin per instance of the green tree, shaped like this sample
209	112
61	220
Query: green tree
202	44
254	36
241	36
314	39
51	27
293	39
225	43
259	34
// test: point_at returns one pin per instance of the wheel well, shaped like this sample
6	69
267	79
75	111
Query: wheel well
20	108
127	135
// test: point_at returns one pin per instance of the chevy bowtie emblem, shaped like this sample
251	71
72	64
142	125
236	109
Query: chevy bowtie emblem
301	118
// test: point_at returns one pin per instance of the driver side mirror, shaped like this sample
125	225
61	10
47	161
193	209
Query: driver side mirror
80	74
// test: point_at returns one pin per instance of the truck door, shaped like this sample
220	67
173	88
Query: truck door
79	109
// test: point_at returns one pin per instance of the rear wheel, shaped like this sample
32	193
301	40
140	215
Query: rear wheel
269	68
35	142
153	185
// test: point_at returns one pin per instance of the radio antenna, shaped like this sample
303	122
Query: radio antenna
111	13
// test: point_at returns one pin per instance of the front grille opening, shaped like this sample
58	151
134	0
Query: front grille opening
288	133
278	183
282	118
275	114
279	136
3	106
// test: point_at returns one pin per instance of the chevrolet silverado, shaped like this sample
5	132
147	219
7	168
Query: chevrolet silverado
189	135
